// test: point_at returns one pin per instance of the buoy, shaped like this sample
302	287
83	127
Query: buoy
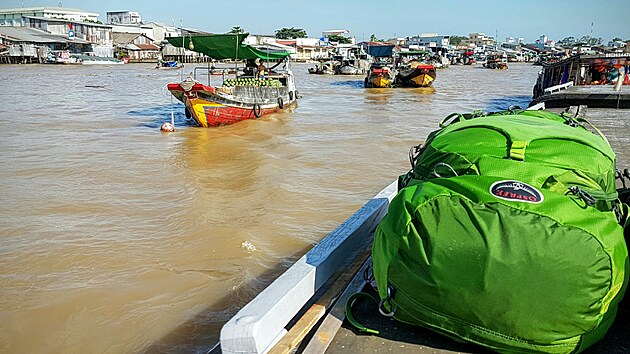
167	127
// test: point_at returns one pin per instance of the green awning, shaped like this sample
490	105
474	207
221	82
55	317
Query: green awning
224	46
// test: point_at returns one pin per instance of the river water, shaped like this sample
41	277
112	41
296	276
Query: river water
118	238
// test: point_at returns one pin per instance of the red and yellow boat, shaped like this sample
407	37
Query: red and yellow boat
379	76
413	70
251	93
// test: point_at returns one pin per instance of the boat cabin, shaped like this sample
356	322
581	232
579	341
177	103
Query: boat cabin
584	70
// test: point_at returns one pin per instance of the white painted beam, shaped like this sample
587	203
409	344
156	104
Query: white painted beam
261	323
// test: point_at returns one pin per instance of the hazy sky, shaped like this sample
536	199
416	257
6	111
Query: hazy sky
384	18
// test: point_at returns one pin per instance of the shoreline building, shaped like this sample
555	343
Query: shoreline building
124	18
15	16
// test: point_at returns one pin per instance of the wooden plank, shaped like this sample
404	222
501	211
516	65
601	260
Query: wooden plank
301	328
258	326
308	321
326	331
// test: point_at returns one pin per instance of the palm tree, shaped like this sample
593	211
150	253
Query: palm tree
236	30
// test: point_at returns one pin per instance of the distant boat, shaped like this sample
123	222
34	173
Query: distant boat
351	61
381	74
92	60
324	68
169	65
496	61
62	57
251	93
413	70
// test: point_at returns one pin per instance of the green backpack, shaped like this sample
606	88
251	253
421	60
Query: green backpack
506	233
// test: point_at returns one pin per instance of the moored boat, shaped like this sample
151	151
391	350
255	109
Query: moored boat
412	69
92	60
253	92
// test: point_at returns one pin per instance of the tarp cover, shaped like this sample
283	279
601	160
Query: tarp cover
225	46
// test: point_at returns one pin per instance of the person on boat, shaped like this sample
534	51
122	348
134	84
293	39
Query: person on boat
262	70
250	68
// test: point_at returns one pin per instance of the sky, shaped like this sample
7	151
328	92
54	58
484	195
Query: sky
385	19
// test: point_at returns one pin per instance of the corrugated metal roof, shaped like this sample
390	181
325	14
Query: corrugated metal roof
148	47
32	35
124	38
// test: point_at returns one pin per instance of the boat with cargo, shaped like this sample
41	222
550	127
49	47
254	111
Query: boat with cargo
381	73
496	61
253	91
583	79
413	69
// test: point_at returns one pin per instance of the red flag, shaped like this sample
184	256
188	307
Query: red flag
70	25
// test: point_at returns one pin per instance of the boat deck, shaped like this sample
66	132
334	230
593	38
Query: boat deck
318	294
398	337
603	96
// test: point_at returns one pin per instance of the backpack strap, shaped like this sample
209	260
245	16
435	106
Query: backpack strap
351	318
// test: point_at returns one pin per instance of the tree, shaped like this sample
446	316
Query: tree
456	40
290	33
339	39
567	41
617	39
236	30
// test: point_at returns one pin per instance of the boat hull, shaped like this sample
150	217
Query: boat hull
420	76
378	81
211	106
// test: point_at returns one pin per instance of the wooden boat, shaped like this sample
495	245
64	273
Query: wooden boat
381	74
469	57
324	68
351	61
496	61
412	69
593	80
248	95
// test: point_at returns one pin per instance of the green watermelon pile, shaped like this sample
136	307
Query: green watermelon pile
252	82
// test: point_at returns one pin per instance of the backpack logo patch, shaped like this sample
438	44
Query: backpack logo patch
516	191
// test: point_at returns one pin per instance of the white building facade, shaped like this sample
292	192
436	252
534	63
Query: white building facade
14	17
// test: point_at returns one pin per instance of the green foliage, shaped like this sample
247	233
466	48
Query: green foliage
290	33
588	40
566	41
617	39
339	39
236	30
456	40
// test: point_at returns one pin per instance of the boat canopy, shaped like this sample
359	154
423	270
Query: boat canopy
224	46
414	52
380	50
